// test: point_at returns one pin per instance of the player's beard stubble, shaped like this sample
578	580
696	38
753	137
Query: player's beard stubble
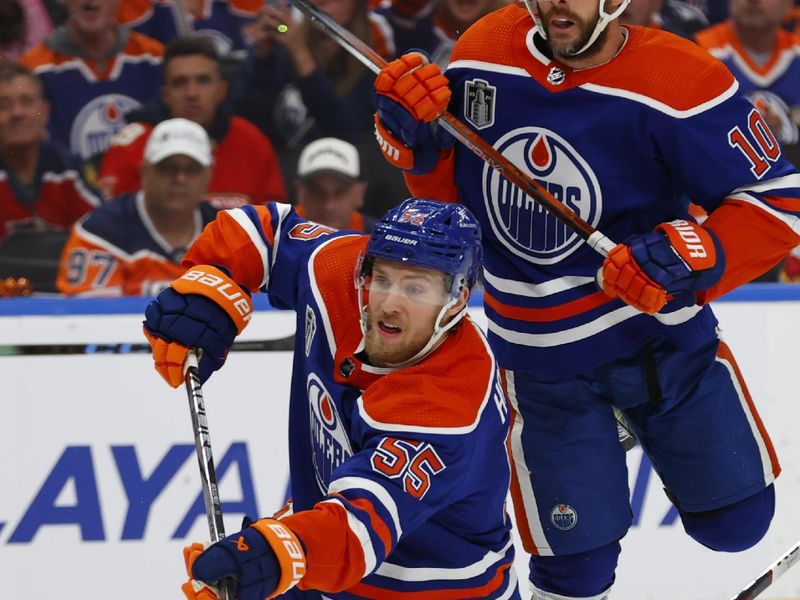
567	49
384	352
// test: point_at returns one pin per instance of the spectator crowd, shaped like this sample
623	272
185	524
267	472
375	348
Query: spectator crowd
126	124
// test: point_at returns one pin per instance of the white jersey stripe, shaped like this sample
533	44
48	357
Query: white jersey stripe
766	463
587	330
249	228
530	509
360	531
374	488
480	567
660	106
535	290
771	185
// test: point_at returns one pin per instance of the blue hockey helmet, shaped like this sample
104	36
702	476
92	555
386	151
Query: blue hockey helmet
430	234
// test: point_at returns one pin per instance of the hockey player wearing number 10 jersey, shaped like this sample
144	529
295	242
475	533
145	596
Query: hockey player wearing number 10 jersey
624	125
398	423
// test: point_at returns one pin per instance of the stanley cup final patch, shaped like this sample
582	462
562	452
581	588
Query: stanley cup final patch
479	108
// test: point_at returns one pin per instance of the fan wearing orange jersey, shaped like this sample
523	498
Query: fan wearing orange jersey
764	59
397	426
622	124
133	246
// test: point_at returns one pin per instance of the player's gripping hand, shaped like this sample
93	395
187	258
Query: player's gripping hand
410	93
205	309
678	259
266	559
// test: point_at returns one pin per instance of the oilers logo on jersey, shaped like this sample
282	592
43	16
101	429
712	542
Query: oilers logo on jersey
521	224
98	121
329	440
563	517
479	108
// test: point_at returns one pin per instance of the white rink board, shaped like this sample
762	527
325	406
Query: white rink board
82	437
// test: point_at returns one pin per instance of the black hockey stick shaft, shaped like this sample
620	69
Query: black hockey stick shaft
205	459
766	579
284	344
375	62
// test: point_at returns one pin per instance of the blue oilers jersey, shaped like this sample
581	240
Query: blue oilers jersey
625	145
399	476
223	21
89	98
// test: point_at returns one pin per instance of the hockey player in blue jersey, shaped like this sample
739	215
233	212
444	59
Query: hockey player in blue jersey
624	125
398	423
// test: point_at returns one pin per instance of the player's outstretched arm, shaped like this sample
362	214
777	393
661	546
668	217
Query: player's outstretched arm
410	94
204	309
678	259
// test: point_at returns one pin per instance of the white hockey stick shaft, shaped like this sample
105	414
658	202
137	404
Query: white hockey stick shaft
202	443
775	570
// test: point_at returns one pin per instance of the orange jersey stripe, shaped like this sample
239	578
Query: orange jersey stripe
724	352
334	556
378	525
554	313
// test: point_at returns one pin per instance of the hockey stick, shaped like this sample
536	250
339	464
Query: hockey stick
775	570
375	62
284	344
202	443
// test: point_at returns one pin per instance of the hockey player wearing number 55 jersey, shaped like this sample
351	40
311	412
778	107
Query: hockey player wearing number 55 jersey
624	125
397	424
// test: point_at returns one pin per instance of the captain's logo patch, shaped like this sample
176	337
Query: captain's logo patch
479	108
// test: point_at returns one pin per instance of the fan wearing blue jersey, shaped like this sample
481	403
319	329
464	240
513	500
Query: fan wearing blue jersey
398	423
624	125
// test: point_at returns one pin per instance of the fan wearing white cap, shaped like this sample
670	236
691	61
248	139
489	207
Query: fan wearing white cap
329	186
134	245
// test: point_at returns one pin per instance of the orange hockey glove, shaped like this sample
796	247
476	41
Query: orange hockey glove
409	94
205	309
266	559
416	85
678	259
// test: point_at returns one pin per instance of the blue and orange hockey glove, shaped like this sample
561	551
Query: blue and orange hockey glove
205	309
678	259
410	93
265	559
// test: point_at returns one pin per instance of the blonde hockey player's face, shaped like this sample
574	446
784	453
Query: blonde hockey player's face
402	308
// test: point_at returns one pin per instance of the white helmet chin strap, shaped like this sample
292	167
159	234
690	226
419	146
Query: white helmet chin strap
602	22
438	329
437	336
